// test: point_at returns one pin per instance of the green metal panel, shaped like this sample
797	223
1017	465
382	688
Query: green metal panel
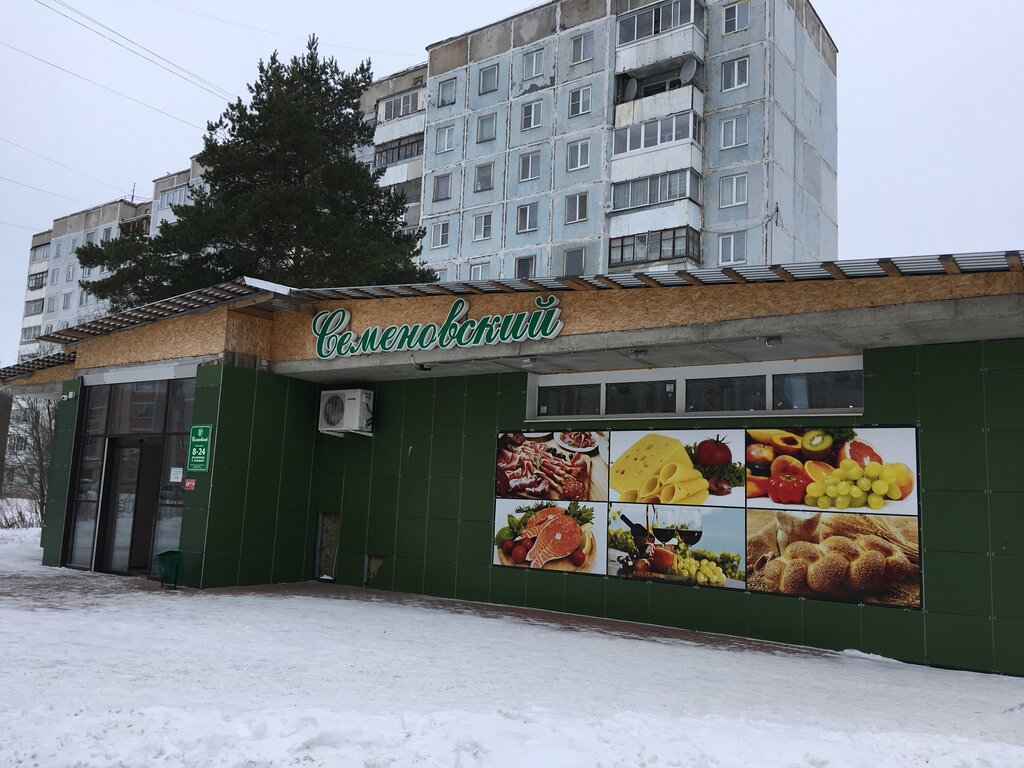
58	481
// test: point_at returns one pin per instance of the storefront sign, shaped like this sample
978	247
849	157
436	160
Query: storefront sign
333	339
199	448
829	513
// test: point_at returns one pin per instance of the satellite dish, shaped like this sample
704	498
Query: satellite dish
689	70
631	88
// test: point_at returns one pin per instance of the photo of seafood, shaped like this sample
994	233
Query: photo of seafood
571	466
691	467
841	556
833	468
555	536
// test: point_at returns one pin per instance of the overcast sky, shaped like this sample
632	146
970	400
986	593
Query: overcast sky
930	100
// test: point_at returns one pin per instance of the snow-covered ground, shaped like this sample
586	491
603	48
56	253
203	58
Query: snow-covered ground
95	671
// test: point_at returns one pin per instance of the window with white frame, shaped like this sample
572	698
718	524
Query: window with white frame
480	271
661	188
446	92
734	132
446	138
86	271
90	238
486	127
533	64
531	115
402	105
57	249
108	233
174	196
579	101
51	304
69	274
526	218
737	17
83	298
34	307
489	79
732	248
732	190
439	234
73	249
483	177
665	130
735	73
577	155
30	333
442	187
575	207
660	245
574	258
525	267
66	301
655	19
529	166
482	226
581	48
54	276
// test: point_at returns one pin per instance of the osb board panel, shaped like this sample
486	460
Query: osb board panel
202	333
248	334
596	311
46	376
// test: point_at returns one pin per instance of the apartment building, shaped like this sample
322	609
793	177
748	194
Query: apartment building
591	136
172	189
54	295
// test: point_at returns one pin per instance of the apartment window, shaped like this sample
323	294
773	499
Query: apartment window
446	92
582	48
734	132
176	196
86	271
57	248
484	178
51	304
533	64
665	244
486	128
732	248
529	166
737	17
443	187
401	105
679	127
650	190
30	333
66	301
34	307
70	273
489	79
732	190
579	101
36	280
439	234
103	269
479	271
525	267
531	115
482	226
90	238
577	155
398	150
54	276
74	246
654	20
574	258
526	218
576	208
734	73
108	233
446	138
83	298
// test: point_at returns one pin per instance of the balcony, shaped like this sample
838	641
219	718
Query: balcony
640	57
668	102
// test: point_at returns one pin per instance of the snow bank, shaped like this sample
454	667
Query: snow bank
96	673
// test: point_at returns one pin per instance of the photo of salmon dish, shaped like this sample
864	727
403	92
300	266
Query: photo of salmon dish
552	536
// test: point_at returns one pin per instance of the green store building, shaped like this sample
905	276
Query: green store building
431	438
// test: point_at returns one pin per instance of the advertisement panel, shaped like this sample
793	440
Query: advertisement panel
826	513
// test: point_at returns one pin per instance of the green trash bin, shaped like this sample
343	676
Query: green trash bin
171	567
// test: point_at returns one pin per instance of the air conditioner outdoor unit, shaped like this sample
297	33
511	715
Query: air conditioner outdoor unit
346	410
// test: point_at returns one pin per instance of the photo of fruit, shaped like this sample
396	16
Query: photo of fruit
679	467
552	465
842	556
688	545
833	468
554	536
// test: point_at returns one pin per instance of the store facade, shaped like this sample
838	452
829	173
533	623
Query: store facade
554	444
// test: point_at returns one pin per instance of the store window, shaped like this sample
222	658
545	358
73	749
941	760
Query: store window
641	397
581	400
818	391
727	393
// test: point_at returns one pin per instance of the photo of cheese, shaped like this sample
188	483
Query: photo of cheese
656	468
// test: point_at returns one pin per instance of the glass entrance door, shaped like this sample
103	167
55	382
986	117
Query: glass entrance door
121	508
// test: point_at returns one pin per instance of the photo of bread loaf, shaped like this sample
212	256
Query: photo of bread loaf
835	556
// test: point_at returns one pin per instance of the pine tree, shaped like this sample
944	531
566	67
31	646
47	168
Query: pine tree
283	198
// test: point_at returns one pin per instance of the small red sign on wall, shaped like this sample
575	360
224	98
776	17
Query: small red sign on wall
190	483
